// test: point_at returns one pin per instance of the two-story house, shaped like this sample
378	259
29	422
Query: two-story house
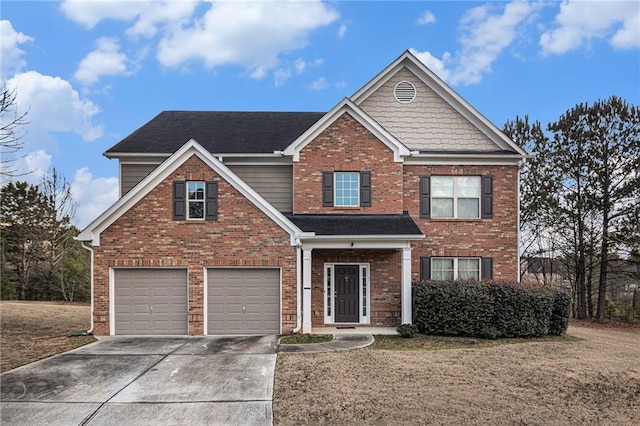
271	222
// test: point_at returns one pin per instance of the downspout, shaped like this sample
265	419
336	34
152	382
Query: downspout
90	331
298	288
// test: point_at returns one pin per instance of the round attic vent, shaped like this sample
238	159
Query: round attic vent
405	92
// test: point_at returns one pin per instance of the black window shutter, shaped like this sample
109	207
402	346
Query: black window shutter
425	268
211	201
425	196
327	189
365	189
487	197
179	200
487	268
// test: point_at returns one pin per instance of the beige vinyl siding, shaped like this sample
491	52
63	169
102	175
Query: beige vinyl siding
428	122
274	183
131	174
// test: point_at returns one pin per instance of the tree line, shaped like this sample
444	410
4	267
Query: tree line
580	202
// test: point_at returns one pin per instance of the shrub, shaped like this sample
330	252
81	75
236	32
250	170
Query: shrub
561	313
488	310
407	330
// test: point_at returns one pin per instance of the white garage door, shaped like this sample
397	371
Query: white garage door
243	301
150	301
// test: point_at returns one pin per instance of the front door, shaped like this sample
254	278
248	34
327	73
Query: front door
346	295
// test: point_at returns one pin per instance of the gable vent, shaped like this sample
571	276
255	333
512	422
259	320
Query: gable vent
405	92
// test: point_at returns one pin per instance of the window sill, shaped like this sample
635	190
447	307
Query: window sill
454	219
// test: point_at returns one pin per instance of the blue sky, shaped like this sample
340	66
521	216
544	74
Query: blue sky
91	72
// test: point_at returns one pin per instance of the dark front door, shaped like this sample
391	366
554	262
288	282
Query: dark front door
346	302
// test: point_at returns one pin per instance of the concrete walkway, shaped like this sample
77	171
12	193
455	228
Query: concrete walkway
146	381
340	342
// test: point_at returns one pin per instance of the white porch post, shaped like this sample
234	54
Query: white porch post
306	287
406	286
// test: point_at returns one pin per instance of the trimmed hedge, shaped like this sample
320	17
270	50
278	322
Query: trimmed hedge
489	310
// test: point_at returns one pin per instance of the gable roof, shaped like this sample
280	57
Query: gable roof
347	106
429	78
217	132
94	229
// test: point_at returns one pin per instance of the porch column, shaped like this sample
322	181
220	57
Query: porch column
406	286
306	287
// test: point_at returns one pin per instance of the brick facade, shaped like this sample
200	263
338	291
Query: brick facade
147	236
347	146
496	237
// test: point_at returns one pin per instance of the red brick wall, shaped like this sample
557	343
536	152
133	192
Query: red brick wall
385	283
496	237
147	236
346	145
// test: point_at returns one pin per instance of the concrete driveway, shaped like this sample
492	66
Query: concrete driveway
146	381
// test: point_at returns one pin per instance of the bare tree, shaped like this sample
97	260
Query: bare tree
11	132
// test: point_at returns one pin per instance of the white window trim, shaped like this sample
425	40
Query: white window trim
363	319
335	190
455	265
204	200
455	198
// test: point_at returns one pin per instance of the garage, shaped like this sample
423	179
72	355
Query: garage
150	301
243	301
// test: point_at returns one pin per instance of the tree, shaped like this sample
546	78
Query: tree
58	210
20	227
613	128
11	122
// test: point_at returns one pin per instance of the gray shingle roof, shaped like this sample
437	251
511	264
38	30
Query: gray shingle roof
356	224
218	132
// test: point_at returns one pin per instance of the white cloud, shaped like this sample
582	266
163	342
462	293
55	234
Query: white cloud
300	65
93	195
53	106
426	18
579	22
319	84
250	34
11	60
105	60
438	66
281	76
484	35
342	30
145	15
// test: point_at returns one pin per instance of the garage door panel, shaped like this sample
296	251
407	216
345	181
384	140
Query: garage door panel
243	301
151	301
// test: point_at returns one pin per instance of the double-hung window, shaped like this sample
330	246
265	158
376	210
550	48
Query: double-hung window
456	268
195	194
347	189
455	196
453	268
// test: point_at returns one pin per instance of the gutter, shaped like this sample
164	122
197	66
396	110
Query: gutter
90	331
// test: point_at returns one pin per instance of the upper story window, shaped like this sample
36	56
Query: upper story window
462	197
347	189
457	196
195	200
195	192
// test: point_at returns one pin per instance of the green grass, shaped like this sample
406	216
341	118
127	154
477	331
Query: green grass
301	339
423	342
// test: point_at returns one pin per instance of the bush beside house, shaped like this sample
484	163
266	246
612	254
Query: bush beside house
488	310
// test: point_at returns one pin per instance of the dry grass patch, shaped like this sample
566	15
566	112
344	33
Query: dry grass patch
592	379
30	331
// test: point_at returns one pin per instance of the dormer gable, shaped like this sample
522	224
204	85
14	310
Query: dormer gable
346	106
425	114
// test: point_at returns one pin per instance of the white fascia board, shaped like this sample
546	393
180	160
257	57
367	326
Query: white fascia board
94	229
466	159
346	105
121	155
428	77
359	241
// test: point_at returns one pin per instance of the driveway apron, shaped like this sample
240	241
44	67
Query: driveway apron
146	381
